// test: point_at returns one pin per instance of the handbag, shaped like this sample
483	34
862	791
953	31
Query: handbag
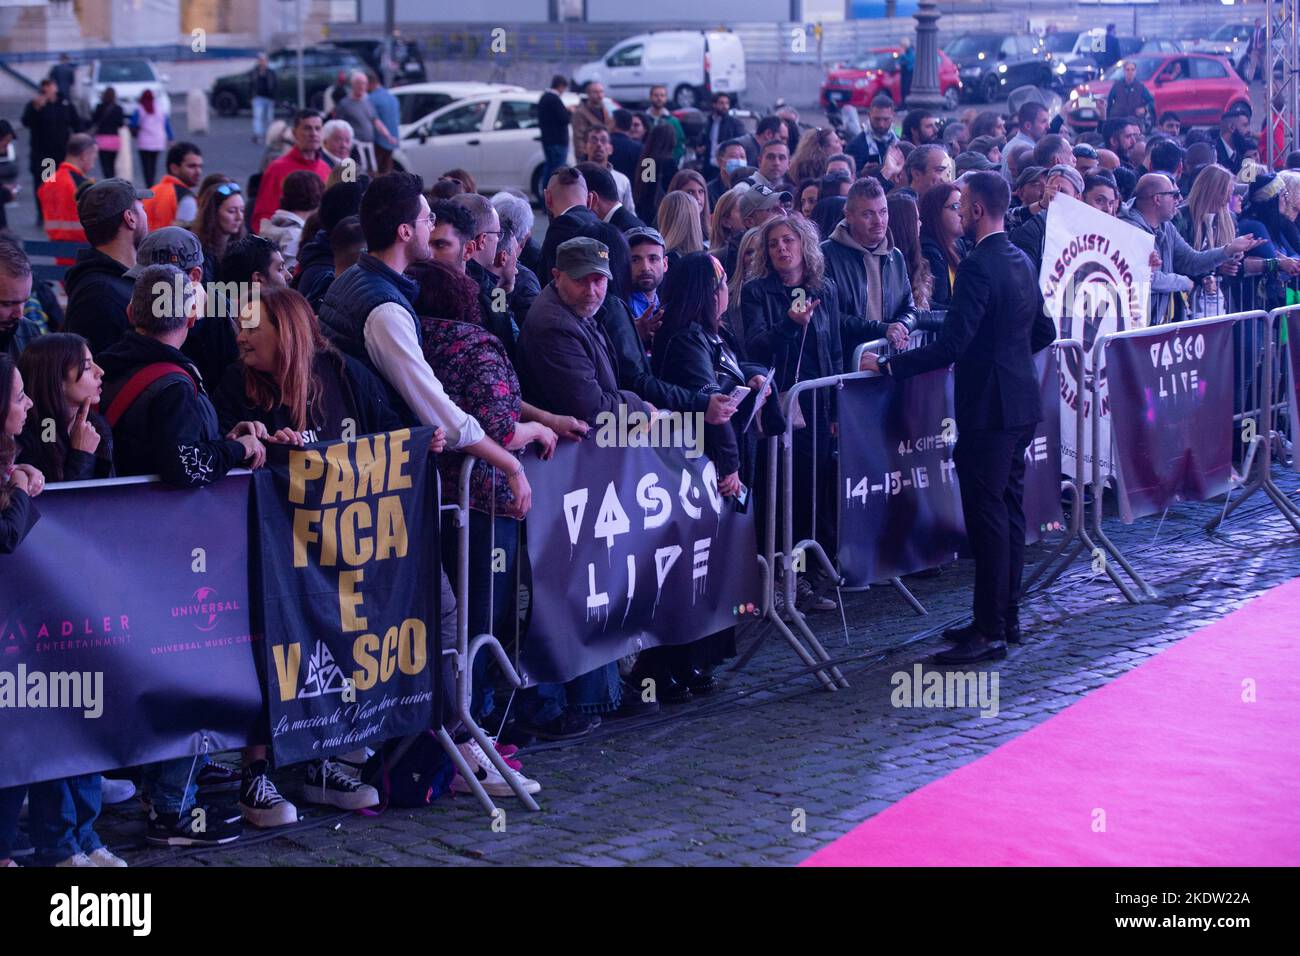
790	402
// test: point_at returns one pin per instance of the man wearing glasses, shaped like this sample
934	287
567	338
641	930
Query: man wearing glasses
1155	202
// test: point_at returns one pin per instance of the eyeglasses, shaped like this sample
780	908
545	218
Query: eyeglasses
228	189
493	232
430	219
1169	192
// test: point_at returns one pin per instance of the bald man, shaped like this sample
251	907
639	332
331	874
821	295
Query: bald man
1107	159
1155	201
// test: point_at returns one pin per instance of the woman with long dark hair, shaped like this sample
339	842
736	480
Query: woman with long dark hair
64	438
827	214
106	121
219	221
649	191
940	211
905	231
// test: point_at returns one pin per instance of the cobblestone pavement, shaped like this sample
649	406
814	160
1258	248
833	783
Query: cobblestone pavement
720	782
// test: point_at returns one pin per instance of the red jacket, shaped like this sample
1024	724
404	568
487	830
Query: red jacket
268	192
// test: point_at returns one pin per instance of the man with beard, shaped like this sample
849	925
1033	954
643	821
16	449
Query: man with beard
648	265
1121	136
994	325
871	145
99	293
659	113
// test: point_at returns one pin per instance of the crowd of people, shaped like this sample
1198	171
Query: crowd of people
663	282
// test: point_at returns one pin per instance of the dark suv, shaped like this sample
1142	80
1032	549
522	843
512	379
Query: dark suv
408	65
321	65
991	65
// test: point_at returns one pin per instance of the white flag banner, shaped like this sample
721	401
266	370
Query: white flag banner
1096	278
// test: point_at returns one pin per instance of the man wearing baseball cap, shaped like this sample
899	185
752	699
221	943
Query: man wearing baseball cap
99	289
1030	237
758	204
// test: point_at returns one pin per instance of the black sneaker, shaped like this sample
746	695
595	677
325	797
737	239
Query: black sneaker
633	706
214	777
328	784
565	727
198	826
260	803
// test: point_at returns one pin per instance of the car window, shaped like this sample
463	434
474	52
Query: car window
461	119
1061	42
416	106
126	71
1146	67
627	56
1208	69
516	114
1008	46
972	45
1129	45
1238	31
1175	69
876	61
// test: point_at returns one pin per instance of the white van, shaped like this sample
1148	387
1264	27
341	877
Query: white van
692	64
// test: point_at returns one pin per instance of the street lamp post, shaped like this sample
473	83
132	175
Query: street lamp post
925	69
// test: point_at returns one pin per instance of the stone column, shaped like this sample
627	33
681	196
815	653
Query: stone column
925	72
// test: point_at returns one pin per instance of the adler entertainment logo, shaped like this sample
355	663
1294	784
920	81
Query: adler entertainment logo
205	609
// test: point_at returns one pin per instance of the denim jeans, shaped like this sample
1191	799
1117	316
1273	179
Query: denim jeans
486	575
61	817
263	114
555	157
165	784
595	692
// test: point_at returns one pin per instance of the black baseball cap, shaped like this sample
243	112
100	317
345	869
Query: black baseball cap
107	198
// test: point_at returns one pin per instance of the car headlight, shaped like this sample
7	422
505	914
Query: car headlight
1074	94
1060	69
1002	68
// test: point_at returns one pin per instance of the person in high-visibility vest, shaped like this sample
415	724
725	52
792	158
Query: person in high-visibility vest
173	200
58	193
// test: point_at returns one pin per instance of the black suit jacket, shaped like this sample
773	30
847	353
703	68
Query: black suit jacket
994	326
562	229
624	219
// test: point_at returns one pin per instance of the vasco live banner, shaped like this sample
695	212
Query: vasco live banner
1042	501
1172	397
900	509
124	630
349	579
630	547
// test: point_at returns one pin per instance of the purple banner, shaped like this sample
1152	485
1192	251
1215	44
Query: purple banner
1042	500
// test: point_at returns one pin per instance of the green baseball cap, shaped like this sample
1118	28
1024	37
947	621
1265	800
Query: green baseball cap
580	257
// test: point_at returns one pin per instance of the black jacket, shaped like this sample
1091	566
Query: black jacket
730	127
773	339
170	430
107	120
634	373
941	291
562	229
553	119
51	125
845	266
71	464
349	390
624	219
527	288
994	326
1030	237
16	520
99	297
626	153
500	322
867	148
315	269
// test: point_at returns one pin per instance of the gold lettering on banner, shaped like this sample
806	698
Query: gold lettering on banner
340	479
350	601
304	466
303	535
286	670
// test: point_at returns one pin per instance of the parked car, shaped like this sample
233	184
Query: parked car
418	101
493	135
1080	64
878	72
321	65
128	78
992	64
407	64
1228	41
1196	86
692	64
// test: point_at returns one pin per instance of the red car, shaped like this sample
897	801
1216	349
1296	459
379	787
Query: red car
1197	86
877	72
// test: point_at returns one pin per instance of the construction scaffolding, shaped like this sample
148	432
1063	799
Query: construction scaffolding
1281	63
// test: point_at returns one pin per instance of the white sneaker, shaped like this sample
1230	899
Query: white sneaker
116	791
78	859
102	857
327	783
488	775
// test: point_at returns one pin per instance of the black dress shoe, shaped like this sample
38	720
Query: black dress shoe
969	652
702	682
962	635
1012	632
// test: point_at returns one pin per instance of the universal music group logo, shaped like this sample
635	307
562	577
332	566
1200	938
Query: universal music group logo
204	609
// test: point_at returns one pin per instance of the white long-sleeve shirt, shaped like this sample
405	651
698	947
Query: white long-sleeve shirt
394	348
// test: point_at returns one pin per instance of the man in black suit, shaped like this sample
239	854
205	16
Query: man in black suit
602	198
994	325
566	204
626	150
721	126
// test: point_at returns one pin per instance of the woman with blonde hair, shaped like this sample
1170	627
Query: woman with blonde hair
810	156
679	223
726	229
692	183
746	246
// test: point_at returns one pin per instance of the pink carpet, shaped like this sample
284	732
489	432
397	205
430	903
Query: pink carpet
1186	772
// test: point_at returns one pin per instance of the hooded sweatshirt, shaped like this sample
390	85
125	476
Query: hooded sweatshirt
871	259
315	269
99	295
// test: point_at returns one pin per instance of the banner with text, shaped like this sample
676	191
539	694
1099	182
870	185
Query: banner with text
900	509
1173	423
631	547
124	630
1042	501
349	578
1292	331
1096	278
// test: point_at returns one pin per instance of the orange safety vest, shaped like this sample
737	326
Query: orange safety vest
161	207
58	198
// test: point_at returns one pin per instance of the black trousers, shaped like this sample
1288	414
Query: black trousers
991	474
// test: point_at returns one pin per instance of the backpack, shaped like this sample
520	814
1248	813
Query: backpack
409	771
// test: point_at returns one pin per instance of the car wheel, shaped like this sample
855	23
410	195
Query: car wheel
226	103
951	99
685	97
991	89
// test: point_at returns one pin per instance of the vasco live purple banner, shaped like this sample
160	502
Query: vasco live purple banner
124	630
1171	398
